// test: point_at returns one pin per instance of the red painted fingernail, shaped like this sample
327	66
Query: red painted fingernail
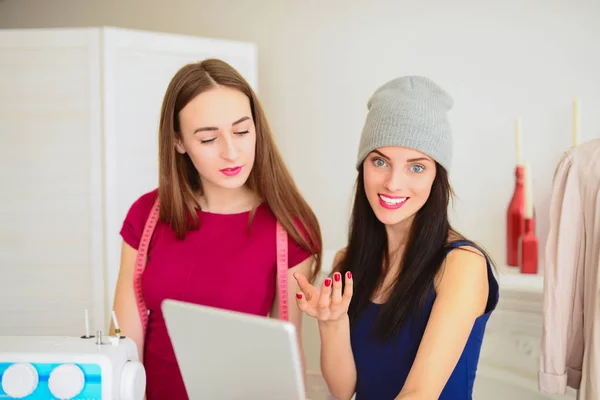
349	275
299	295
327	282
337	276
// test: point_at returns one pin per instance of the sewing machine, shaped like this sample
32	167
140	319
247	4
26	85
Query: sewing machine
77	368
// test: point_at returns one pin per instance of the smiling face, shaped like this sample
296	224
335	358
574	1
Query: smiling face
398	182
218	134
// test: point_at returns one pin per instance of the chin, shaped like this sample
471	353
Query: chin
233	183
392	217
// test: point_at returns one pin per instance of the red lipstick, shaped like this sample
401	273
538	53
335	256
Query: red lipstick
391	202
232	171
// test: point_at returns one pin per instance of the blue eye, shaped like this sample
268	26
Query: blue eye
379	162
417	169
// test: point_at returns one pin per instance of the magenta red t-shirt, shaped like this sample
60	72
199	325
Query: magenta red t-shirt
220	265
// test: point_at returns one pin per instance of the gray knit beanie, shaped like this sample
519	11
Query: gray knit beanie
410	112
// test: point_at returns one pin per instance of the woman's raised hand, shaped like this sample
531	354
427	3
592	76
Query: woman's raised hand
327	304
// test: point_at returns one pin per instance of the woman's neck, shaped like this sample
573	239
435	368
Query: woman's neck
397	236
221	200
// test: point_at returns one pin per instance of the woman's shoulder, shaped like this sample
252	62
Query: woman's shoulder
140	209
142	206
463	256
468	266
136	217
148	197
458	241
461	251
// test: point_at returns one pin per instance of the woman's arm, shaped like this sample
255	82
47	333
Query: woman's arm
461	297
330	307
125	305
337	360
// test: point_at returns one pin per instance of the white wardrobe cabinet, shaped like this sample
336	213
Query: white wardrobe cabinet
79	112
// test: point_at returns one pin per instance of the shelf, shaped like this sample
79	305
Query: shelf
510	278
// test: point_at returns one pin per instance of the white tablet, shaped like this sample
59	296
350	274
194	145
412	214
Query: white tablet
230	355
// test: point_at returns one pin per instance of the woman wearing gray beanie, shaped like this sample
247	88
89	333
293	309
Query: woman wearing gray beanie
404	314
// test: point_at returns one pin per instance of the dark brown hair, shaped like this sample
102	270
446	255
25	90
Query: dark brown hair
179	182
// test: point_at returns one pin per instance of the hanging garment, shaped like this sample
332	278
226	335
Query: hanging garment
570	345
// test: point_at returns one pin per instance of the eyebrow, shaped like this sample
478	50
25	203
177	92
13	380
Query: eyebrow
409	160
381	154
418	159
214	128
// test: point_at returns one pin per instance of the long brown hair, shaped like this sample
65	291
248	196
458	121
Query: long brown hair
179	182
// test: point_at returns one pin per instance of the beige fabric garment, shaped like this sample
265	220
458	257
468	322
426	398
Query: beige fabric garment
570	346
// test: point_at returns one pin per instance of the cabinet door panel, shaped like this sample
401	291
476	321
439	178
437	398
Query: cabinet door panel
50	209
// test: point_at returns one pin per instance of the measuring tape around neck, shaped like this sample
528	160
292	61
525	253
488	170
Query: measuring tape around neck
142	259
282	271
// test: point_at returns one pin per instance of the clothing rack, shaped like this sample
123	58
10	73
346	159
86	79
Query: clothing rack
570	343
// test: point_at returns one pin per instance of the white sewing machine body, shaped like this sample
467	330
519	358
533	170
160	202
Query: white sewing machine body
59	367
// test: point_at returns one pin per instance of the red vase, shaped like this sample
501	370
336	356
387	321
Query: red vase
529	248
515	219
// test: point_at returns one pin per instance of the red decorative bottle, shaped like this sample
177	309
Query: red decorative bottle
515	219
529	248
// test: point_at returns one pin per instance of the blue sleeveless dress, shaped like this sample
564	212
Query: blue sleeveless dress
382	367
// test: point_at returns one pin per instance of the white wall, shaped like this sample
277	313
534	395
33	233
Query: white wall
319	62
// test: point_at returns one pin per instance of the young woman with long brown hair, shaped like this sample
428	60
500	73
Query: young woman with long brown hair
404	315
222	188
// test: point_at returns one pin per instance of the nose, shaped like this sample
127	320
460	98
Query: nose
394	181
228	150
